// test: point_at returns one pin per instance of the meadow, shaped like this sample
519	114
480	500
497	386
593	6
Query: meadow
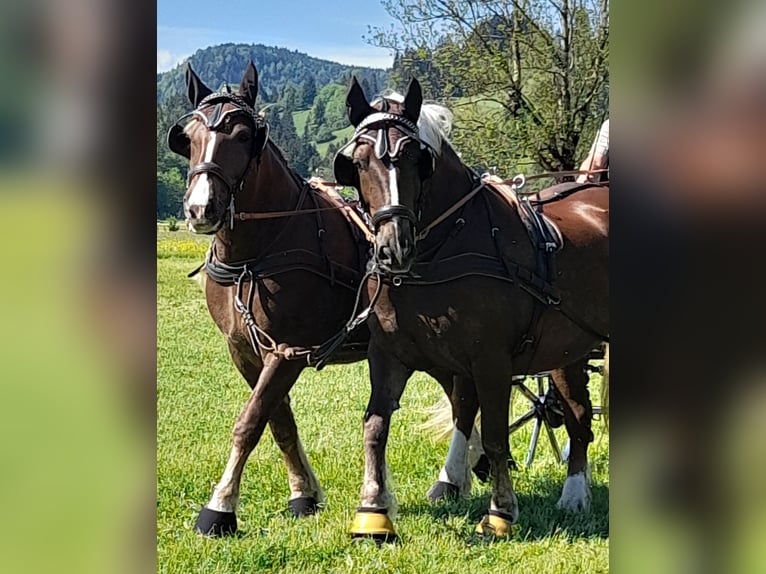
199	395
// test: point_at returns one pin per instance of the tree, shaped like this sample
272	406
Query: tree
171	168
170	192
308	92
535	73
315	119
290	98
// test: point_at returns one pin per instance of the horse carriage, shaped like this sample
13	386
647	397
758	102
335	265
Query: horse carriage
444	272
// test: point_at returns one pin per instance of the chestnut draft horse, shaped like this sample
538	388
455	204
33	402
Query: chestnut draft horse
466	288
283	273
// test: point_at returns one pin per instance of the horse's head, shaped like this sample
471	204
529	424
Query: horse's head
220	138
388	162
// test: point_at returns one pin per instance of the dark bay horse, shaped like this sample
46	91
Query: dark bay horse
282	276
464	293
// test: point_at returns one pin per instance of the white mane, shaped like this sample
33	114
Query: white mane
434	123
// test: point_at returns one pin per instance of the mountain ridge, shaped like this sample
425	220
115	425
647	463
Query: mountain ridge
277	67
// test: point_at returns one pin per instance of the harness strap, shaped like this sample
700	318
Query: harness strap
481	265
556	174
457	205
278	263
328	188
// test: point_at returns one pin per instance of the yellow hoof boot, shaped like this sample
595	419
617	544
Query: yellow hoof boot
373	523
497	524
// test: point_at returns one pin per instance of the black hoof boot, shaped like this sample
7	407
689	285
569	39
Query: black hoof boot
215	523
481	468
303	506
443	491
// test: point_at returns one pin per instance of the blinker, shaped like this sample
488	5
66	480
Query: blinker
381	143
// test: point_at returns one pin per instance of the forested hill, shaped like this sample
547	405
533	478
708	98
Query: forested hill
277	67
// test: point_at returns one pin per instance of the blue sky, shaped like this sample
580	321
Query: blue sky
331	29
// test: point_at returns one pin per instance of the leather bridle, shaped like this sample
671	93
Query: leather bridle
374	128
214	122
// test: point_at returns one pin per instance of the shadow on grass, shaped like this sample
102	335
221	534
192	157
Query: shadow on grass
538	516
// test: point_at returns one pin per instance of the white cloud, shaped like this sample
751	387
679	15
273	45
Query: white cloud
366	56
167	60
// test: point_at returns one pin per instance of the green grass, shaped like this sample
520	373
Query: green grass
341	137
299	119
199	397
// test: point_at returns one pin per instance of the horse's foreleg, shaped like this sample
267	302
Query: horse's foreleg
455	475
572	385
493	386
274	383
305	492
388	378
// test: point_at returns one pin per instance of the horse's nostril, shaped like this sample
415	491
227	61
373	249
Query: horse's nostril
197	211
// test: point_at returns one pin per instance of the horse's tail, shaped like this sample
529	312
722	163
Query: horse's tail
201	278
440	424
605	388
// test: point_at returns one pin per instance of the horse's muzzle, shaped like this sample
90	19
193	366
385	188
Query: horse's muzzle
395	245
206	218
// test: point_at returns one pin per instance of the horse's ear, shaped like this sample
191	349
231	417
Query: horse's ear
357	106
179	142
413	101
195	88
249	86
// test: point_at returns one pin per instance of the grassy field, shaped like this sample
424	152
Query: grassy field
341	136
200	395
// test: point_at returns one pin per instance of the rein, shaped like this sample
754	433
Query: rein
317	185
568	173
243	216
516	183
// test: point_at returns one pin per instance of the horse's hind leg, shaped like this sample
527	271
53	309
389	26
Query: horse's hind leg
388	377
305	492
274	383
455	475
572	385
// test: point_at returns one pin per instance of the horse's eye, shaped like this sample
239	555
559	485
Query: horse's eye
244	136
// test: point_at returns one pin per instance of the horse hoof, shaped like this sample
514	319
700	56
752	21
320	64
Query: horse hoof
576	495
303	506
496	524
442	491
373	523
481	468
215	523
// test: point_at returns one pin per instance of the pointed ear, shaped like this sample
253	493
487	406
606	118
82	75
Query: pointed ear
413	101
357	106
248	89
195	88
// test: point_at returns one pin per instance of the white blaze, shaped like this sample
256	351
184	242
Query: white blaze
200	192
393	186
